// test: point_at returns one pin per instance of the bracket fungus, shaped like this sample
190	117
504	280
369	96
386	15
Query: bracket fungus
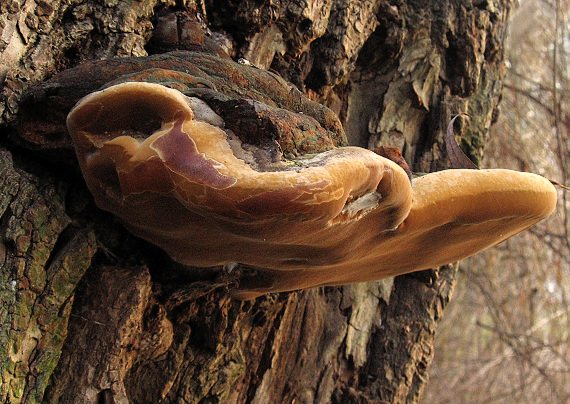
171	169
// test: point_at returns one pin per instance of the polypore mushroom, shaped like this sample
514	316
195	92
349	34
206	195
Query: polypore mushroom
165	165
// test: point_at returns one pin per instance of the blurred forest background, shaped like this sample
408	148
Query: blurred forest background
505	335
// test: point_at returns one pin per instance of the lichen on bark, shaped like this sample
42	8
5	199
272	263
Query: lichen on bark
42	262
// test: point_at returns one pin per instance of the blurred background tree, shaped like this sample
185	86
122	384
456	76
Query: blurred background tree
505	335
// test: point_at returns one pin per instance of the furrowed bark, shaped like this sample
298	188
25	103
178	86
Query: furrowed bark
92	314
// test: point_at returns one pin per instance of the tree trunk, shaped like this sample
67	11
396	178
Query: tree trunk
93	314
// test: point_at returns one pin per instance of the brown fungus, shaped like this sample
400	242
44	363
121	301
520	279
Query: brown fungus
165	165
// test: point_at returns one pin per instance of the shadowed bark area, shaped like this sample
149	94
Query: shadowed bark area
92	314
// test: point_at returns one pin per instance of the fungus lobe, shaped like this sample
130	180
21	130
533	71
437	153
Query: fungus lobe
341	216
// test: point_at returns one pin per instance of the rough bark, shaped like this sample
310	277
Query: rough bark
91	314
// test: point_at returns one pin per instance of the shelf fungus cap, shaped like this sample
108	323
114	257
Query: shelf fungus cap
167	167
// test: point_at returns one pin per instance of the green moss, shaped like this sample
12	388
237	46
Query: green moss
481	110
35	299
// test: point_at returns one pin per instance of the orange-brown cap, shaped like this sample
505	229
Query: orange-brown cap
165	165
